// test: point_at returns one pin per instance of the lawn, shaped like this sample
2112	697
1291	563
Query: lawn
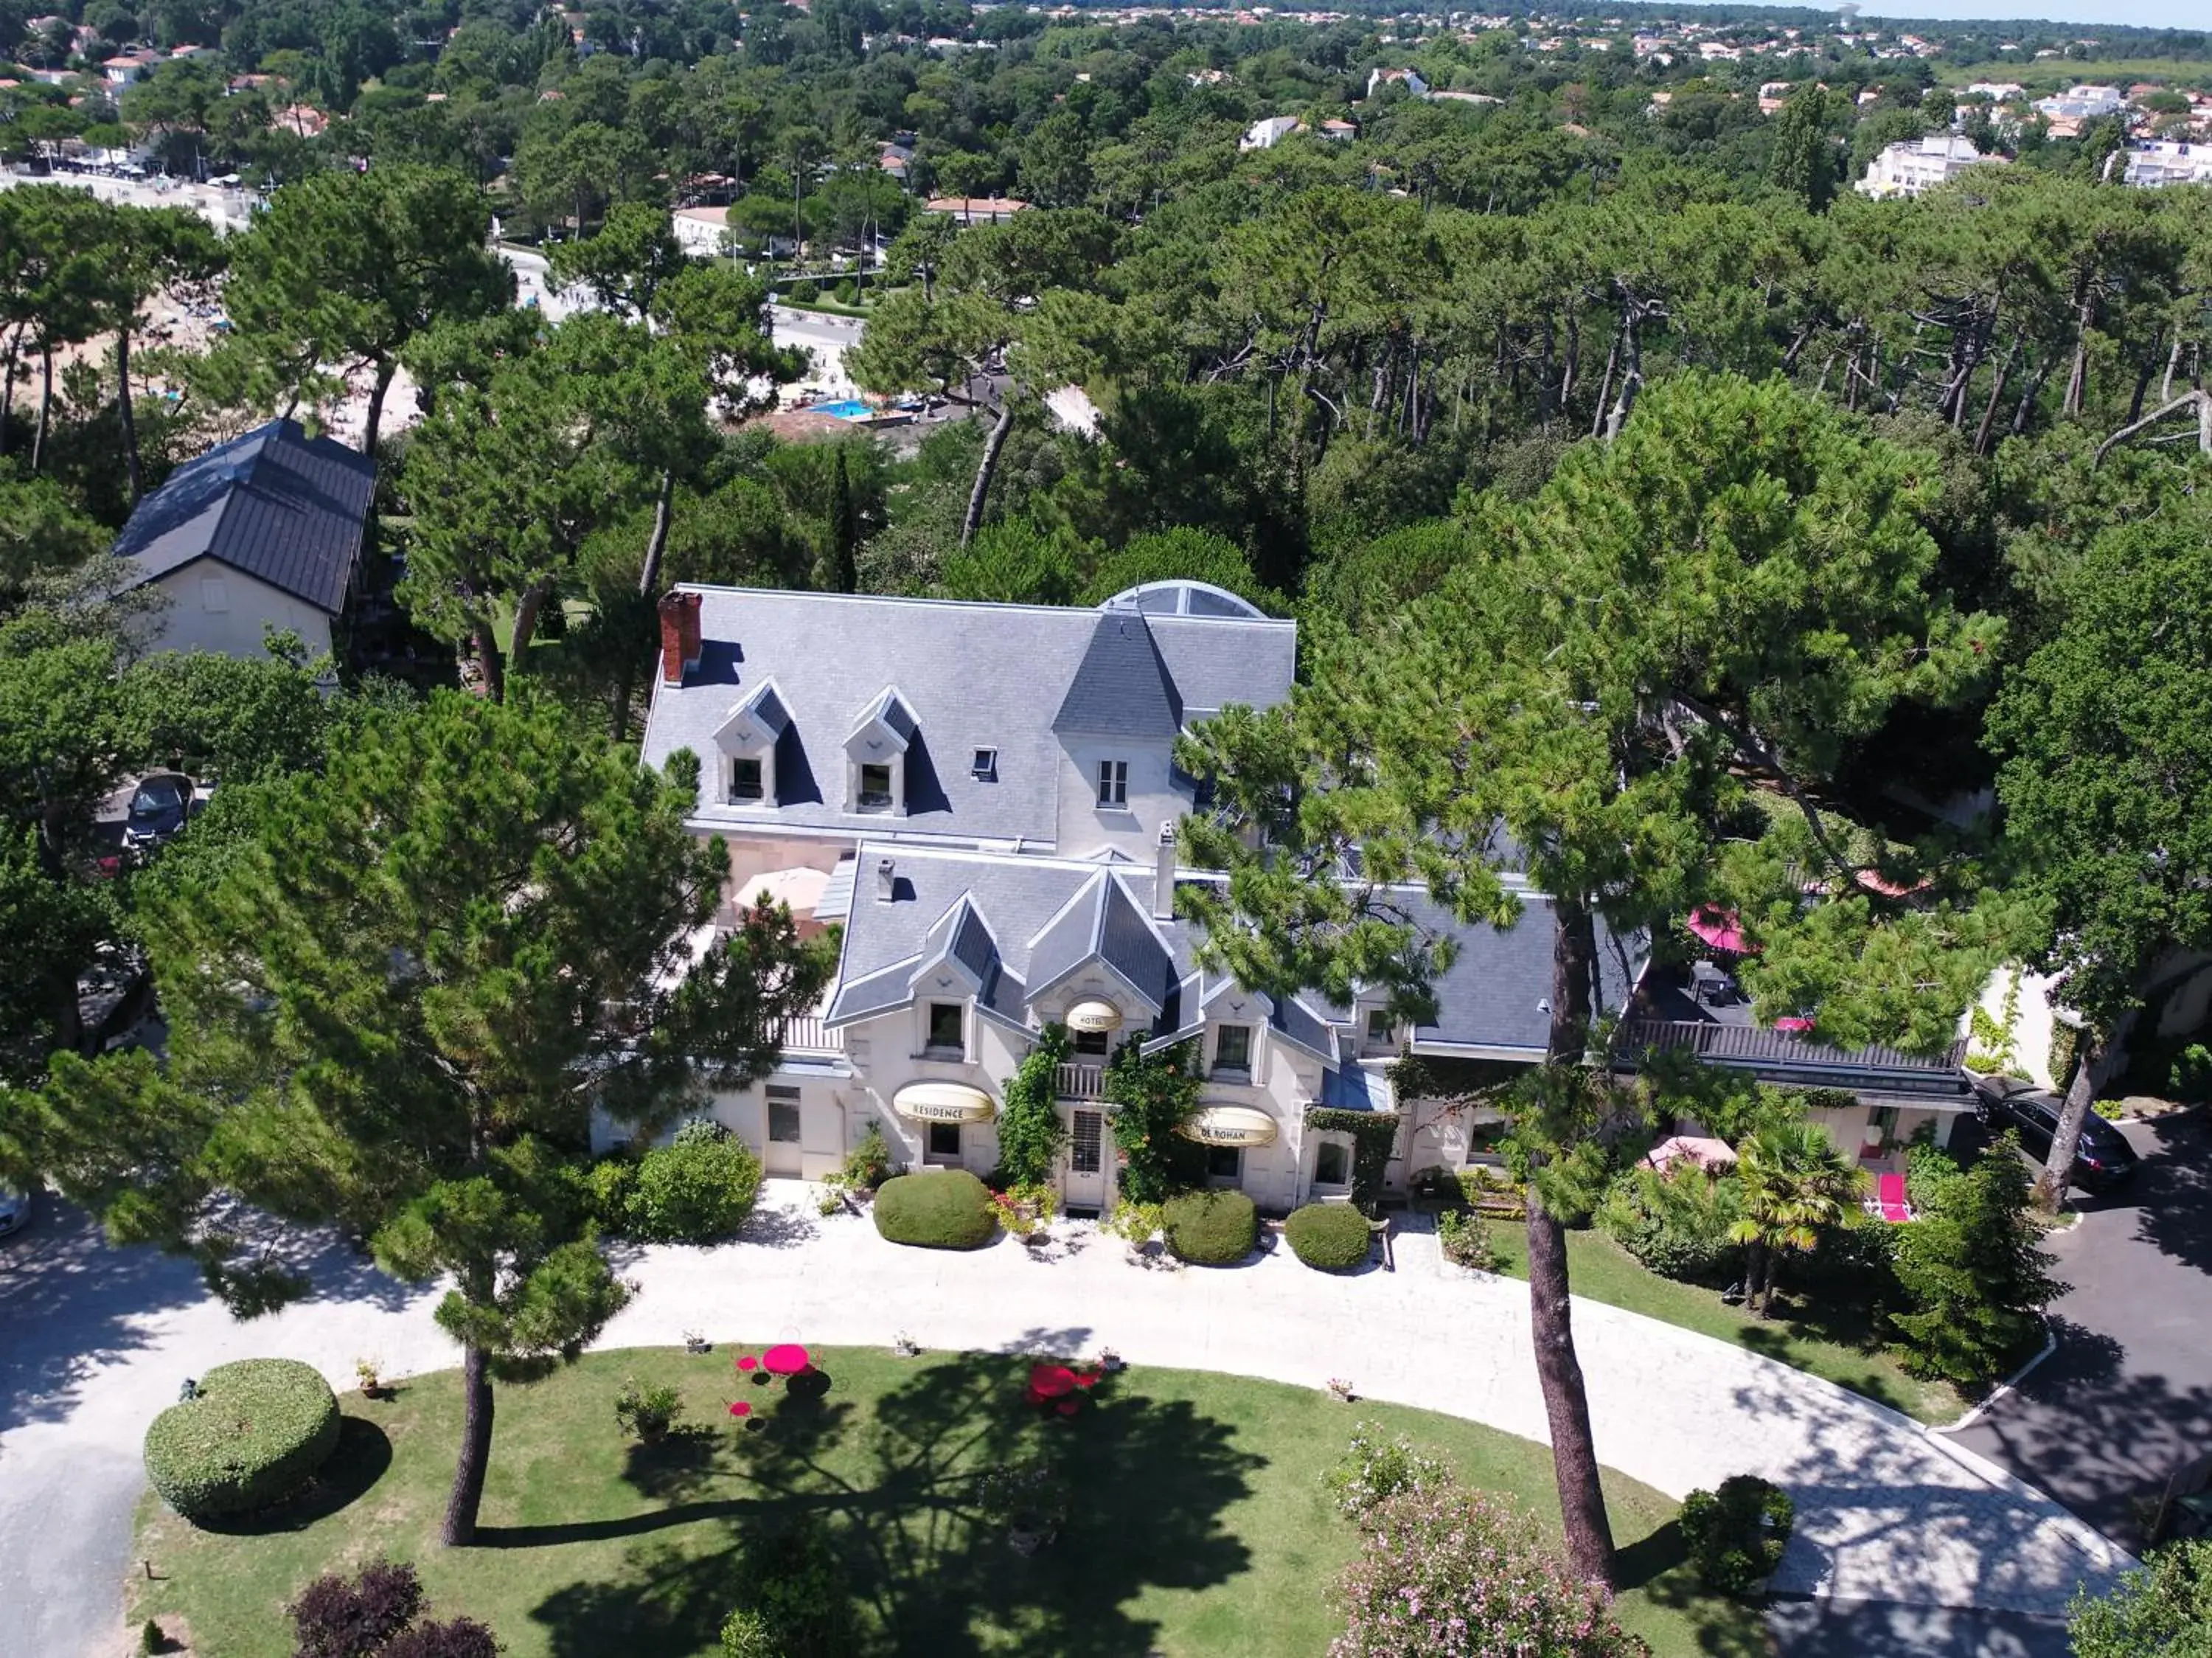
1198	1523
1834	1343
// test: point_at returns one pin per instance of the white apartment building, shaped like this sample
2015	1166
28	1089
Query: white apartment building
1918	164
2166	162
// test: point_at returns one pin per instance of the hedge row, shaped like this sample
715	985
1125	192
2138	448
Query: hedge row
254	1434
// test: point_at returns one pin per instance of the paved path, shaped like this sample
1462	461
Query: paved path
2127	1399
1886	1511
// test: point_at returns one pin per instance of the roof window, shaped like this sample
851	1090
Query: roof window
986	768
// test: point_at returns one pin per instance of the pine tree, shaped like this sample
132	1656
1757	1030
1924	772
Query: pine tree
1974	1269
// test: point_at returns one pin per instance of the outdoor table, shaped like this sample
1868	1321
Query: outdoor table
1794	1025
787	1359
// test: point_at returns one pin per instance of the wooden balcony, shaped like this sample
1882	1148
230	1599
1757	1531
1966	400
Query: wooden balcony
1784	1056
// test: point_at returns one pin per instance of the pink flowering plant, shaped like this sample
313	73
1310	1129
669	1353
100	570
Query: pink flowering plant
1446	1573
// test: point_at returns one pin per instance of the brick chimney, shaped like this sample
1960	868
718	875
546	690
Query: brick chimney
680	635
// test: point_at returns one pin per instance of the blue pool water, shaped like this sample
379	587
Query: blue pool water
850	409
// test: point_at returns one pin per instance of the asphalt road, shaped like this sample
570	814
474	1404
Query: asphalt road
2128	1396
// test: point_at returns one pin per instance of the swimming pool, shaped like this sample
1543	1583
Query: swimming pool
850	409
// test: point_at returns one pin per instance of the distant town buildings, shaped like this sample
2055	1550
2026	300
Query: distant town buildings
1908	168
2163	162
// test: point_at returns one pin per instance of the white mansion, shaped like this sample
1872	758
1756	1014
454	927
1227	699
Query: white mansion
984	797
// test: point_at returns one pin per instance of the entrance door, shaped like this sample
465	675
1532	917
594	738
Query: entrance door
1085	1185
783	1150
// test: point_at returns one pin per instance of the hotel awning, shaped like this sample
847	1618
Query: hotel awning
1094	1016
1229	1126
942	1102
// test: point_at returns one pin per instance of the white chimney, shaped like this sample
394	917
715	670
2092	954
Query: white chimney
886	887
1164	873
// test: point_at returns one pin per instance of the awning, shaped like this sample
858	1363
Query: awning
1094	1016
798	890
942	1102
1229	1126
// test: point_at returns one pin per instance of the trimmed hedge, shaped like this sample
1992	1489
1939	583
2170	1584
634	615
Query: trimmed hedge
1211	1228
943	1209
1736	1534
254	1436
1330	1237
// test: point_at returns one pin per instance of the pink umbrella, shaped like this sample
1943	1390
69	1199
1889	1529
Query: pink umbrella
1721	929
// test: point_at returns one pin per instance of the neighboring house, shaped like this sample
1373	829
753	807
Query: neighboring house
1408	78
977	209
1998	92
2079	104
1338	131
699	230
2165	162
1267	133
264	532
1920	164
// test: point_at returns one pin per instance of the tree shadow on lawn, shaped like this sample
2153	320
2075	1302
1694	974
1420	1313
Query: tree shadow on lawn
1837	1325
927	1568
1659	1566
363	1452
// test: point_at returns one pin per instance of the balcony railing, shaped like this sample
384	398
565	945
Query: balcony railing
805	1034
1749	1045
1080	1082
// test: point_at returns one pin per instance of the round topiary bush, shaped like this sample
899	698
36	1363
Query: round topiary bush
1211	1228
698	1190
942	1209
254	1435
1330	1237
1736	1534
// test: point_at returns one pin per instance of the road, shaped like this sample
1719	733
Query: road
2128	1396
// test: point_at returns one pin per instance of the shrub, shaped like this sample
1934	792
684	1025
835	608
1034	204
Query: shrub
1154	1095
1736	1534
373	1616
254	1434
944	1209
803	293
746	1634
1375	1469
847	293
1330	1237
1465	1240
1674	1224
1973	1270
2162	1611
1448	1574
1026	1210
699	1190
1031	1131
1211	1228
647	1411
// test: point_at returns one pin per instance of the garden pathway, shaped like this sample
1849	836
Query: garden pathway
1887	1511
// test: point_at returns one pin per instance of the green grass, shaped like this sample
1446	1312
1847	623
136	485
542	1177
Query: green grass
1836	1343
1198	1523
2044	76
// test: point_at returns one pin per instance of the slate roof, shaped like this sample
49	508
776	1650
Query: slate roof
275	504
1046	917
970	676
1122	688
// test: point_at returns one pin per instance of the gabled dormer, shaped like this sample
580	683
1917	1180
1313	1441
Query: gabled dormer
876	755
746	741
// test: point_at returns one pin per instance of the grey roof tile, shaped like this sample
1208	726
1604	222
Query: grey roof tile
282	507
1122	688
970	676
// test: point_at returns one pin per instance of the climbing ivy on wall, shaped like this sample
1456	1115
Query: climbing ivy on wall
1373	1135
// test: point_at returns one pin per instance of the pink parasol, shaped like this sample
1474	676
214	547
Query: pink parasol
1721	929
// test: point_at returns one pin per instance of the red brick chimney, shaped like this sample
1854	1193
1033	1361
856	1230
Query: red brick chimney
680	635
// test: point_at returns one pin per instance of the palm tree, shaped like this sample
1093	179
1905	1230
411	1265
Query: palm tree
1795	1184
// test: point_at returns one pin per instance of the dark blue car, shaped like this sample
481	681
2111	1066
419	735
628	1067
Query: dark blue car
2102	1158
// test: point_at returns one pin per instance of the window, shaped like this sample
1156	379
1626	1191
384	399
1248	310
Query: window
987	766
875	788
1085	1145
783	1115
1232	1048
1378	1026
1225	1163
945	1140
1332	1164
745	780
1113	782
215	595
1090	1042
946	1025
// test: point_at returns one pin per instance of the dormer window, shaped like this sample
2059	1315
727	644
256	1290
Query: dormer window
748	786
876	754
748	735
948	1028
1113	783
1377	1034
1232	1048
875	789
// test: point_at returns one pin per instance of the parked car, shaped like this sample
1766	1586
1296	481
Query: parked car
14	1209
2102	1158
158	808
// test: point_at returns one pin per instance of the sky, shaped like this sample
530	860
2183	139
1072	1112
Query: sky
2143	13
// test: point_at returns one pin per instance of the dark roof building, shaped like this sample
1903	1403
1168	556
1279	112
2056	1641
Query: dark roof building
285	508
